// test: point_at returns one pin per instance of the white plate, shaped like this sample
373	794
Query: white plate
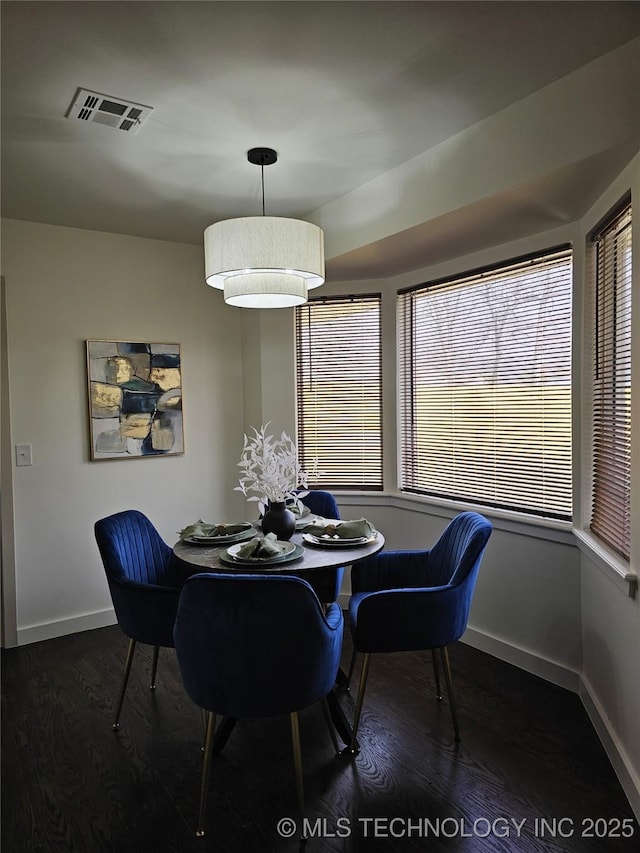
306	520
331	542
240	536
289	548
301	523
273	564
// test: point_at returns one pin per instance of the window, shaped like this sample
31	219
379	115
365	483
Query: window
339	390
485	386
610	310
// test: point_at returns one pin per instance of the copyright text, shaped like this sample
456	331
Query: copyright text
452	827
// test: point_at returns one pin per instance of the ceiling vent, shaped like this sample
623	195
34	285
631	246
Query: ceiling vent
111	112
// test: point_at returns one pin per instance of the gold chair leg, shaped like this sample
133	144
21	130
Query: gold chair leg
452	702
363	686
351	668
329	722
297	759
125	678
206	768
205	719
436	672
154	667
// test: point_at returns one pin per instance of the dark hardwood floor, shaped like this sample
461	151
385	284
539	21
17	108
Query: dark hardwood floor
529	775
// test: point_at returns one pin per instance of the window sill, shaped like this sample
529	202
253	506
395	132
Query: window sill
525	525
610	563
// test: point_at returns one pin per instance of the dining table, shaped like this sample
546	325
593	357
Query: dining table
311	558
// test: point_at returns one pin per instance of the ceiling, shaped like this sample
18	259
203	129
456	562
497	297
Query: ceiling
352	95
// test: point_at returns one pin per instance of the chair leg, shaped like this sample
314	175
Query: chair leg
125	678
206	768
436	672
329	722
452	702
154	667
297	759
363	686
351	668
205	719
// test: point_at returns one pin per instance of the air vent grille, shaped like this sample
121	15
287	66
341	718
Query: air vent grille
109	111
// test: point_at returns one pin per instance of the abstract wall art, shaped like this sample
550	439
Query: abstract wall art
135	399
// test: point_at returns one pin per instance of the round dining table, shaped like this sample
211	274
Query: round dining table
315	559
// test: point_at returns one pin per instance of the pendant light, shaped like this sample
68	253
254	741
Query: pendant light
264	261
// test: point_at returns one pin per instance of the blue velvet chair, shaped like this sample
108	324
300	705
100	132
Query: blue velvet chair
144	585
255	646
414	600
326	582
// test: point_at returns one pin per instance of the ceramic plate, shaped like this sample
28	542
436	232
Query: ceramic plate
241	536
301	523
306	520
233	552
230	556
329	542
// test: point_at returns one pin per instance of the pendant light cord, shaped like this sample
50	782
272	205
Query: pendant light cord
262	157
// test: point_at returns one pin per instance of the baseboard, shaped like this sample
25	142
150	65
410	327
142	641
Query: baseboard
571	680
550	670
615	750
574	681
60	628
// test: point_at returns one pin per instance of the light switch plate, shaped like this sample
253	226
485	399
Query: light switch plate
23	455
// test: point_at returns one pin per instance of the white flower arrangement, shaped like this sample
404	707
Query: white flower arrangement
271	470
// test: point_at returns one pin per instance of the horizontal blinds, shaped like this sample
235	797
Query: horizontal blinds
339	391
611	388
485	387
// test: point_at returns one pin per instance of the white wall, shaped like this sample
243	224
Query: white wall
526	608
269	370
610	686
64	286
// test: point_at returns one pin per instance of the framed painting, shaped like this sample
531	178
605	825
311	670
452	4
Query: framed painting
135	399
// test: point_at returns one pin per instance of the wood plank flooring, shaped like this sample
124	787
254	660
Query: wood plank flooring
528	755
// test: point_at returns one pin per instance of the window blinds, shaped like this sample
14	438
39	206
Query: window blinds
485	386
611	382
339	391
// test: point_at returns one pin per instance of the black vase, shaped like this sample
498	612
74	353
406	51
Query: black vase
279	520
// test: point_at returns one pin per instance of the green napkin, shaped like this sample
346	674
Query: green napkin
201	528
262	547
342	529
